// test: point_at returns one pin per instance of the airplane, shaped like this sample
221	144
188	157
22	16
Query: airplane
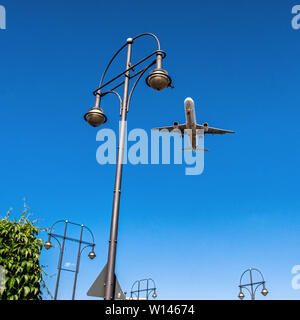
192	125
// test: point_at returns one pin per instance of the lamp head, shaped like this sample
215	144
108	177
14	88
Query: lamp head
92	255
264	292
48	245
158	79
95	116
241	295
154	296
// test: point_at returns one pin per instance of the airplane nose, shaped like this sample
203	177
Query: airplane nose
188	100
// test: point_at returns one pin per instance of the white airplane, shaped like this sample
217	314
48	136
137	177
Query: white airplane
192	125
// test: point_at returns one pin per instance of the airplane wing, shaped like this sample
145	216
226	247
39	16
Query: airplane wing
211	130
179	127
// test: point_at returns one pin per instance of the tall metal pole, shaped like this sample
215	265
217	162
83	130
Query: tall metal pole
110	279
77	264
60	260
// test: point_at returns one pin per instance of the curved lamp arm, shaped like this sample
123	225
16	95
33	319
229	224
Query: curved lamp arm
259	273
258	287
90	233
125	45
247	290
88	245
243	275
56	223
56	240
110	62
136	82
148	291
249	271
148	34
116	93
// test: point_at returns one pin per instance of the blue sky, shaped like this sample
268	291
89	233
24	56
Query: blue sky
194	235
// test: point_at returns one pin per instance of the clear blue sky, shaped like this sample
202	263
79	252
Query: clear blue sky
194	235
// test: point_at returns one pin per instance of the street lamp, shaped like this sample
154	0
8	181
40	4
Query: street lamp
253	285
140	288
48	245
95	116
158	79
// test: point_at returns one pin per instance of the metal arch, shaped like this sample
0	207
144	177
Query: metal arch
148	34
254	285
115	55
152	281
134	285
74	223
66	221
136	82
110	62
61	251
249	271
90	233
259	273
56	240
243	275
148	290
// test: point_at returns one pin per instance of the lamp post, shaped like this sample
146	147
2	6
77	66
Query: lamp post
253	285
146	288
48	245
158	79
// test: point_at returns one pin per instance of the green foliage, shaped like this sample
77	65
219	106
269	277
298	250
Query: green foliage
20	250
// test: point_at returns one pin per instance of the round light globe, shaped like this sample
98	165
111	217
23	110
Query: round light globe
264	292
95	117
154	295
241	295
92	255
158	79
48	245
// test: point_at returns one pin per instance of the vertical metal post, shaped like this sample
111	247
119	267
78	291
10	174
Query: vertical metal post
60	260
147	289
139	287
77	264
110	279
251	280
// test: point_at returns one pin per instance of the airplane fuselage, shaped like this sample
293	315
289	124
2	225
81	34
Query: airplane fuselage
191	128
191	122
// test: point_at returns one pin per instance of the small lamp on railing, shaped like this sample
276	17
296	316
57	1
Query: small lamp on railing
264	291
92	254
241	295
48	245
